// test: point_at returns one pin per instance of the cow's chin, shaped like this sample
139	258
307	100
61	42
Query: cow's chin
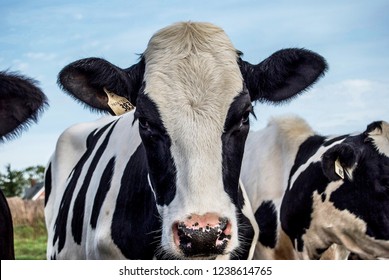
176	254
170	251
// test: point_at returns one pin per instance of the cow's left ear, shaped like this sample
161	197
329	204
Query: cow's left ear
339	162
92	80
283	75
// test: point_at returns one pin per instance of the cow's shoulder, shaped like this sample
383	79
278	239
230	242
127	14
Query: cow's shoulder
291	129
76	135
73	142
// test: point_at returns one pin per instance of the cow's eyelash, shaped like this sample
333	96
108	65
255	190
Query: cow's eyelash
253	113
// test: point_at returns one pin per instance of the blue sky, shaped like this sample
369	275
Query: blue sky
39	38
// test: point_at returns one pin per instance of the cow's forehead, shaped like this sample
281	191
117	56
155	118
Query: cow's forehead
192	74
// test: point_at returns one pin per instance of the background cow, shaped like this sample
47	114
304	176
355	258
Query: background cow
164	180
334	191
21	102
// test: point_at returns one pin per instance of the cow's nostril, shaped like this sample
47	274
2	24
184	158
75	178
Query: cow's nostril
223	223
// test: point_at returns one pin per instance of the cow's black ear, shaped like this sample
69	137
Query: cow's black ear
339	162
283	75
89	81
21	102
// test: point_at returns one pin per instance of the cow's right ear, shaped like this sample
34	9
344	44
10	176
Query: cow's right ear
90	80
339	162
283	75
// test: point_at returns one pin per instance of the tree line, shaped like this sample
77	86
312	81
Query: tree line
14	181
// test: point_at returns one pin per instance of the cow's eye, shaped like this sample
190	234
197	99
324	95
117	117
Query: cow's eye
143	123
245	117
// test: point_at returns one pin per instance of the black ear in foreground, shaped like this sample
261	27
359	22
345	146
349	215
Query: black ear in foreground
21	102
89	80
283	75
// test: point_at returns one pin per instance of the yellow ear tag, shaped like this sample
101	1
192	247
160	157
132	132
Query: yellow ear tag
339	169
118	104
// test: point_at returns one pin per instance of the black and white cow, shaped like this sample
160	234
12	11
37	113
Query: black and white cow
312	192
164	181
21	102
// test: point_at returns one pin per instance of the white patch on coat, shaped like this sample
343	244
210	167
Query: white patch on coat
343	227
380	138
272	150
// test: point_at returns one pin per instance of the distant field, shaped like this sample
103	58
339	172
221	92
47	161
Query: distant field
30	242
30	234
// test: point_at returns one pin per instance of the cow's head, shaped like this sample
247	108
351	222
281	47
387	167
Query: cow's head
193	95
21	102
363	191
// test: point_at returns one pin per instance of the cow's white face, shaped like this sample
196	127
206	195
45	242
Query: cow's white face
190	112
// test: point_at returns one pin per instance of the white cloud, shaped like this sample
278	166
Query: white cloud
19	65
41	56
78	16
342	107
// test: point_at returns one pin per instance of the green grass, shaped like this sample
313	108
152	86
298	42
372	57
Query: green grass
30	242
